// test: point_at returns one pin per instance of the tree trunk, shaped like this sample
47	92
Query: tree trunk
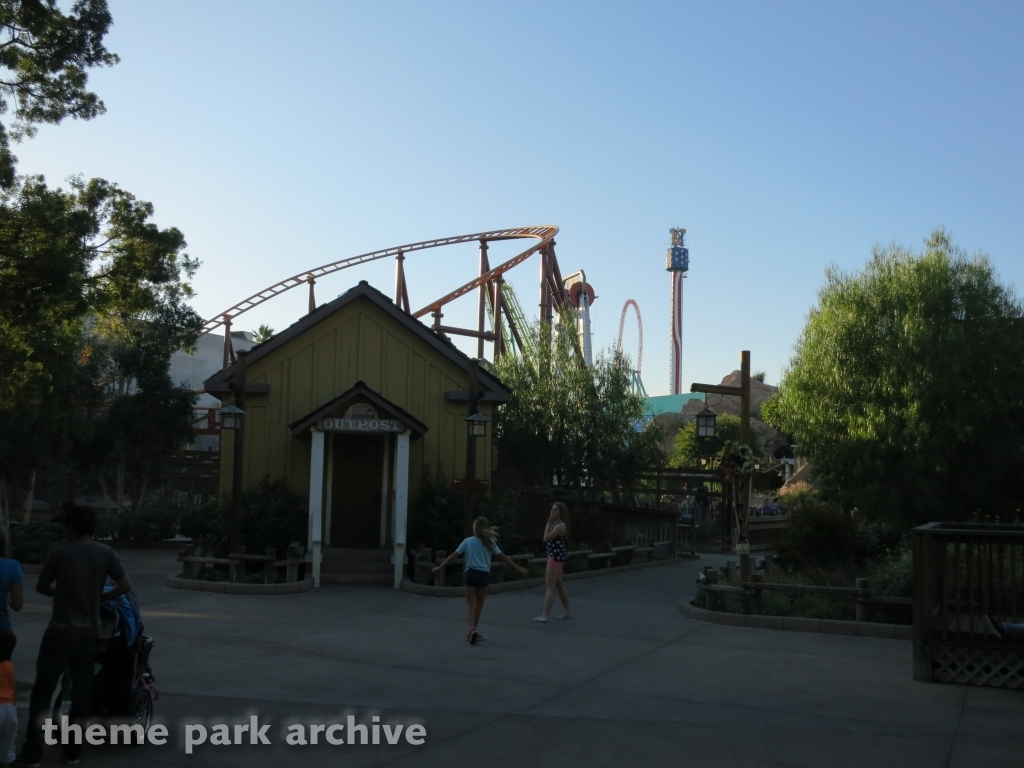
120	482
29	499
137	501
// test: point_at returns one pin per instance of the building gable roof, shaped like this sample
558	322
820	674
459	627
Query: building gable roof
359	391
494	390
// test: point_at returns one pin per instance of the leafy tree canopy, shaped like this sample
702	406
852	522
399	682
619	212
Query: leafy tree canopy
45	55
92	304
906	389
569	421
688	449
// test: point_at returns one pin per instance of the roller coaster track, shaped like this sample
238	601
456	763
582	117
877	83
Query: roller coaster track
637	381
489	284
543	234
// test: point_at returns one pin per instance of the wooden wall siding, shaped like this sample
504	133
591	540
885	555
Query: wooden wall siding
359	342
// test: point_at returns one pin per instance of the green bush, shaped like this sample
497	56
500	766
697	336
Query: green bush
501	510
440	511
148	524
32	542
892	577
202	523
820	535
272	516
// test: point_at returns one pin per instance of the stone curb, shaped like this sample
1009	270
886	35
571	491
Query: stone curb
175	581
798	624
429	590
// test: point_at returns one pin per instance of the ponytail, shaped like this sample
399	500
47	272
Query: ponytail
486	532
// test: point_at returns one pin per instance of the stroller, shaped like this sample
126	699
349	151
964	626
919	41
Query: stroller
123	682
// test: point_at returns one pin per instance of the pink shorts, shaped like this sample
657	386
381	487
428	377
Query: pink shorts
552	563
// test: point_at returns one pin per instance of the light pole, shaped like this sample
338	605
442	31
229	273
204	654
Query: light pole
236	417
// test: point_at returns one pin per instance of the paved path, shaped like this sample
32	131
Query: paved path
626	682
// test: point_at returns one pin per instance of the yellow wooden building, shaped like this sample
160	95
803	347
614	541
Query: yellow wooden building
349	405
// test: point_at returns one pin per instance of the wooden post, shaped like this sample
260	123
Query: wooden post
189	569
269	571
439	557
769	564
862	608
745	397
314	539
712	577
401	507
238	570
922	544
745	567
730	569
292	572
755	595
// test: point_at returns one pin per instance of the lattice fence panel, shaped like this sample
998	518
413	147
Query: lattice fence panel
993	667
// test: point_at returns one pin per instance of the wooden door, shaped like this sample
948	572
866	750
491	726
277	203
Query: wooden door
356	496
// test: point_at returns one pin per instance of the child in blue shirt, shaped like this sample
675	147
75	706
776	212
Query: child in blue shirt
478	550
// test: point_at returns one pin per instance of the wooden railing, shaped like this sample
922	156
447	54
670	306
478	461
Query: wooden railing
752	590
969	604
194	561
424	561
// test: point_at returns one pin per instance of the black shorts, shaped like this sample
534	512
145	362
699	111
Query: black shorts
477	578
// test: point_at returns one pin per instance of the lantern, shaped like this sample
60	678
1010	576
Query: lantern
477	424
231	417
706	423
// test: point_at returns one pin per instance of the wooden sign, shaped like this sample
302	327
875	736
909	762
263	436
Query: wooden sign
361	417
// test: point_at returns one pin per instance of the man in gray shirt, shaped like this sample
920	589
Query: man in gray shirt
74	576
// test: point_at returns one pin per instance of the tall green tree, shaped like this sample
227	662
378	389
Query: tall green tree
906	389
570	422
92	304
45	58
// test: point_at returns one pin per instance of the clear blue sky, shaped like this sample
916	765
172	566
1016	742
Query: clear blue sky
783	136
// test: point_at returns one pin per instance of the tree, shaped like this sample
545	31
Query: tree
906	389
45	55
567	421
92	305
263	333
688	449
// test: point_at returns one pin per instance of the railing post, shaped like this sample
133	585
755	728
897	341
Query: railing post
189	569
862	607
292	572
269	571
238	569
712	576
922	544
755	594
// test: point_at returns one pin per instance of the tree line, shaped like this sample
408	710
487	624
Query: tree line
93	294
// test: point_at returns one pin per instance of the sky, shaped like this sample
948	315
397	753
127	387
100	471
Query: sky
784	137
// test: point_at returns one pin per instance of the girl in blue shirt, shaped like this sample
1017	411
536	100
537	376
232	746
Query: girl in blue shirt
478	550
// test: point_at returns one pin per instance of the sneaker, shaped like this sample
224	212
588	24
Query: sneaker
541	619
564	616
474	637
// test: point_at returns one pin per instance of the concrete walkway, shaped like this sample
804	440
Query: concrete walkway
625	682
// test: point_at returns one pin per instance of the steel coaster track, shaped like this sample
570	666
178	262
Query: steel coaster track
544	234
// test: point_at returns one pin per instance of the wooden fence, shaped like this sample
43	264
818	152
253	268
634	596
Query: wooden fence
969	604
